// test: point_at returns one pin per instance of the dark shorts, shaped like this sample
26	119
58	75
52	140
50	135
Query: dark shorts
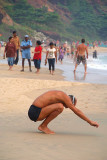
37	63
34	113
81	59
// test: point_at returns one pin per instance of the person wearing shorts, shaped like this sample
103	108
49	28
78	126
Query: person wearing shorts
80	54
50	104
81	59
37	56
25	47
10	51
61	54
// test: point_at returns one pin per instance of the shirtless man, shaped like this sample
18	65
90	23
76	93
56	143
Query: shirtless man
80	54
49	105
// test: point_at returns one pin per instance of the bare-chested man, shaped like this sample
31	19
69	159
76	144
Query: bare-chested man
49	105
82	48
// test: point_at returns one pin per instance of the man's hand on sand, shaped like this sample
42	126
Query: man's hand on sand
95	124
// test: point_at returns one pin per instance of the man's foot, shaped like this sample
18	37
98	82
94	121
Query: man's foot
45	130
30	70
37	72
22	70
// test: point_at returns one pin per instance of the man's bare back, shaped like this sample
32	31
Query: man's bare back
82	48
51	97
50	104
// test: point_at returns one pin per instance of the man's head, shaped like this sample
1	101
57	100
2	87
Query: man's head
38	43
73	99
14	34
26	37
83	40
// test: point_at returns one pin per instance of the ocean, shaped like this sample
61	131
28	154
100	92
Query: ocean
96	69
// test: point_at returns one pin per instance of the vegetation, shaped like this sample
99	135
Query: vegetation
88	18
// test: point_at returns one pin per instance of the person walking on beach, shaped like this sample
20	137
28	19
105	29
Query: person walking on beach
50	104
37	56
61	55
17	43
82	48
10	52
51	56
25	46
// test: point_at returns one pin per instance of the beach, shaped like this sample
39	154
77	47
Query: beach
74	139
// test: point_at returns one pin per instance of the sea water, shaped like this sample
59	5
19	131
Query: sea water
96	69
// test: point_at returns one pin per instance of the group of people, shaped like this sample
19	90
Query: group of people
53	53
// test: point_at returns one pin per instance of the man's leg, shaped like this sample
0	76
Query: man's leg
17	58
85	66
49	113
29	65
23	60
75	67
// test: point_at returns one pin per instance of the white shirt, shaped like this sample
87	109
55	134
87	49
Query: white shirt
51	53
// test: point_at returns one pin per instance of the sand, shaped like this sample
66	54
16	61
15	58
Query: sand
74	138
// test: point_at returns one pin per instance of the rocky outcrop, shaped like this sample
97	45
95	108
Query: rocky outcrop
5	18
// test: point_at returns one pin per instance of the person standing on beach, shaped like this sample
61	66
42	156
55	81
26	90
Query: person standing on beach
25	46
17	43
10	51
37	56
50	104
51	55
81	49
61	55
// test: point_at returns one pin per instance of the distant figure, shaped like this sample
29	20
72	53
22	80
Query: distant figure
10	51
88	44
94	45
25	46
68	52
17	43
95	54
50	104
51	56
61	55
82	48
37	56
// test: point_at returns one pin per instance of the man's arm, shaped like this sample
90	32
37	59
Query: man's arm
78	112
56	56
87	52
77	51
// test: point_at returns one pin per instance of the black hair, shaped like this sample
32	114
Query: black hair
51	44
72	99
83	40
10	38
14	32
55	44
38	42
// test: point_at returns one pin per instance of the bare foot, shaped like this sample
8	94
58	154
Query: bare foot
37	72
45	130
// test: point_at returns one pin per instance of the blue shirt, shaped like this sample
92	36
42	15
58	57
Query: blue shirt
24	44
